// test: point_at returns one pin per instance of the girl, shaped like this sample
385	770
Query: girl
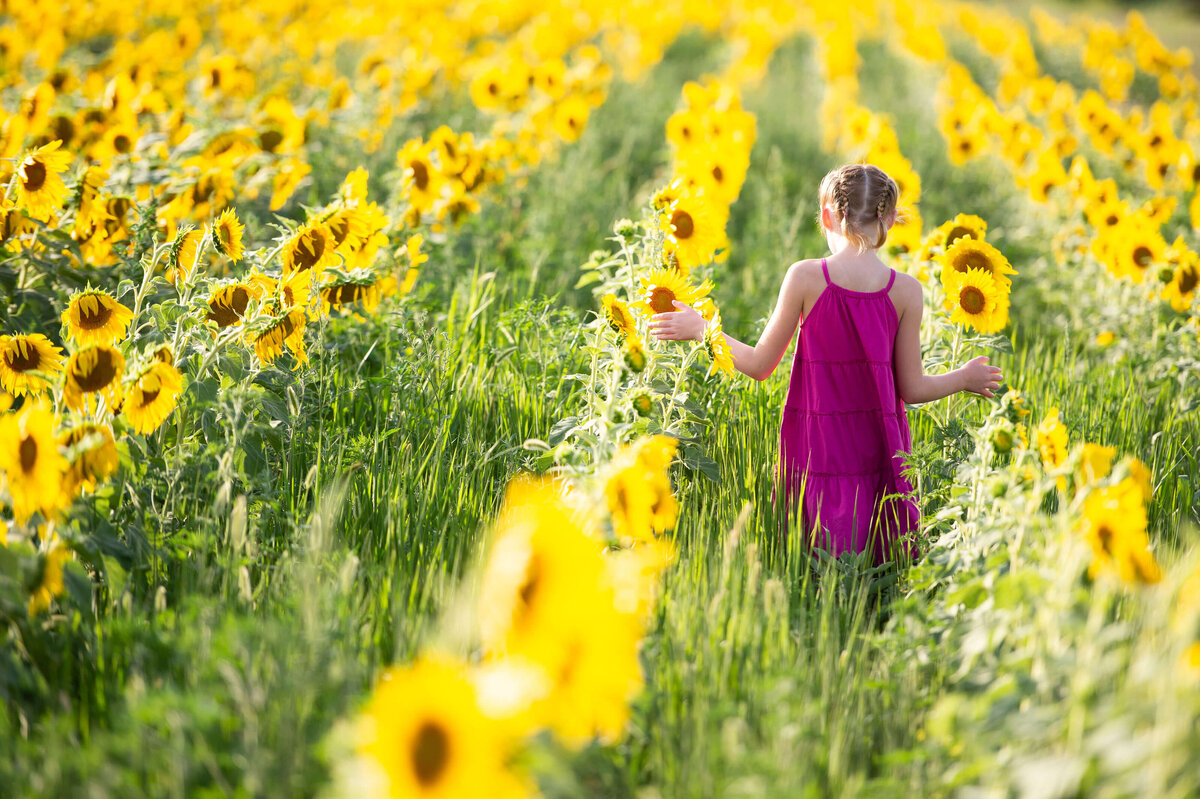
857	362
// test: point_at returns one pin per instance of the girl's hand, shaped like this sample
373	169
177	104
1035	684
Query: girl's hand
686	324
979	378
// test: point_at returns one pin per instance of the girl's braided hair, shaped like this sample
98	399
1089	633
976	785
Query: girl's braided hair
863	197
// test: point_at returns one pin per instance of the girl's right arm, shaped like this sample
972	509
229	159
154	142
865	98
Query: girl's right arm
758	361
914	385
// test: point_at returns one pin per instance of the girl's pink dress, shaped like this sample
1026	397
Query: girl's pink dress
844	425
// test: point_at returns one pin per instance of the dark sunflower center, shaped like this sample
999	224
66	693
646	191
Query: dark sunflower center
24	359
64	128
661	298
341	295
1105	534
28	450
148	397
430	753
103	372
493	89
269	140
420	174
1188	278
973	260
309	250
971	299
339	226
94	321
958	233
34	176
1111	220
686	132
682	223
122	143
202	190
718	174
1142	256
533	581
228	312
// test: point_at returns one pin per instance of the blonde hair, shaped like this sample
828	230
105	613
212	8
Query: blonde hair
863	197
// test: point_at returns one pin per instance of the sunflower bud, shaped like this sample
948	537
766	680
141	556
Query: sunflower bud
635	356
643	403
626	229
1002	438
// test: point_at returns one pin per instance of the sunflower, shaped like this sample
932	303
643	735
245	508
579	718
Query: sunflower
31	462
151	396
961	226
90	212
296	290
1095	462
91	454
1052	440
570	117
287	330
422	180
350	289
543	566
1184	277
717	347
50	580
1136	249
310	248
412	251
1114	523
287	179
975	299
28	363
423	733
616	313
93	372
94	316
967	254
40	189
695	227
226	235
668	194
184	253
634	354
662	286
228	302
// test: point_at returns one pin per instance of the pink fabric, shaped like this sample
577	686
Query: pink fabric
844	423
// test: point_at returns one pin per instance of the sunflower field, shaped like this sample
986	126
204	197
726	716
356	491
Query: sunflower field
337	460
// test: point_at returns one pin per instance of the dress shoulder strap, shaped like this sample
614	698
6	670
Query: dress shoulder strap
825	269
891	280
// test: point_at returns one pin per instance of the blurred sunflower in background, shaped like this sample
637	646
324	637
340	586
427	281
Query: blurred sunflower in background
29	458
151	396
94	372
40	189
94	316
91	453
226	235
28	363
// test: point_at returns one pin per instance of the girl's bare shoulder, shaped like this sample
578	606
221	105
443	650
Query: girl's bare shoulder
805	273
907	292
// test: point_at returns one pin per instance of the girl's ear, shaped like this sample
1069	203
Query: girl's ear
826	217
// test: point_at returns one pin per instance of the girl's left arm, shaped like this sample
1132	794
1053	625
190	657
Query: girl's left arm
757	361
